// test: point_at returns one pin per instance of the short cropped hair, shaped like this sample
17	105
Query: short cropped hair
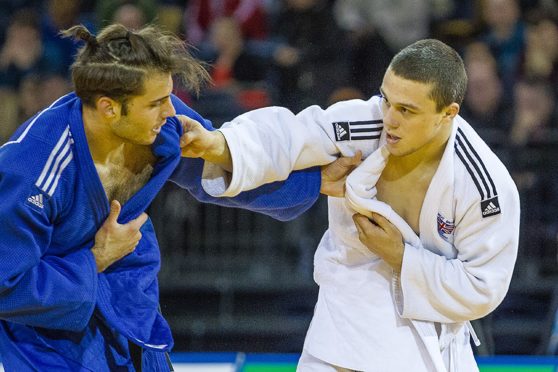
433	62
117	62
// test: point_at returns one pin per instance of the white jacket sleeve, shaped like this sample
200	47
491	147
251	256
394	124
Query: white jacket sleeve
268	143
471	285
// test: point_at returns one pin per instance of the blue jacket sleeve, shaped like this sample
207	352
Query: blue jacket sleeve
283	200
38	288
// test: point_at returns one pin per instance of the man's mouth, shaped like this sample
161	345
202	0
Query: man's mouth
157	129
391	139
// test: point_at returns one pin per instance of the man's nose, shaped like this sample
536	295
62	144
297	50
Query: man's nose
390	118
169	110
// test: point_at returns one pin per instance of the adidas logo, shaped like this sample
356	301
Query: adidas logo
341	131
490	207
36	200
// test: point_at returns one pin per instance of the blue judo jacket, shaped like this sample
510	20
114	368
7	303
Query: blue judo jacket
56	312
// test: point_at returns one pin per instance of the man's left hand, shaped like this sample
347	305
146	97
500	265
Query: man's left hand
382	238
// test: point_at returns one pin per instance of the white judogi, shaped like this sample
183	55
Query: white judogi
367	318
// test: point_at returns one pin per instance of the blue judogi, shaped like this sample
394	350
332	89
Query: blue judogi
57	313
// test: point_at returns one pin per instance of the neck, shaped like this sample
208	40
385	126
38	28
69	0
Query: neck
103	144
427	156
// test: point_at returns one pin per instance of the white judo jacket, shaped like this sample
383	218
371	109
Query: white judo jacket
367	318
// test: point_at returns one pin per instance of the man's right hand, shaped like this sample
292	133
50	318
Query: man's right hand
198	142
113	240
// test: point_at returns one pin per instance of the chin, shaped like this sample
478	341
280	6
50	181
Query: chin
145	141
393	150
398	152
150	141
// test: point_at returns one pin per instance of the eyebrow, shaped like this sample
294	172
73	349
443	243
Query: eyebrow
160	99
406	105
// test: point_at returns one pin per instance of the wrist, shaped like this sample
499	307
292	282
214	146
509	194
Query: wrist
215	151
398	264
100	265
99	262
218	152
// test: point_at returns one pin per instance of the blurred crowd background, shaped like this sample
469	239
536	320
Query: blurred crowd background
236	281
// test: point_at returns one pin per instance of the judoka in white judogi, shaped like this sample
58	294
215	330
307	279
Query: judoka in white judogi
367	318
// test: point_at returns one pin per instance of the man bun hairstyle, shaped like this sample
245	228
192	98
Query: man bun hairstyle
81	33
116	62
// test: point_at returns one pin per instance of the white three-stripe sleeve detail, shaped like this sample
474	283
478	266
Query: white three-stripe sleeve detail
52	156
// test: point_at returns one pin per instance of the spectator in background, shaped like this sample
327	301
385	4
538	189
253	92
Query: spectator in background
134	13
369	53
534	112
233	65
310	64
237	74
540	59
485	106
22	52
505	35
170	15
9	110
200	15
345	93
8	8
130	15
378	29
52	87
235	69
398	23
532	154
39	91
21	55
29	96
60	52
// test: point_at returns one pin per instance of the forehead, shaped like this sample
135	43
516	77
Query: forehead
156	86
399	90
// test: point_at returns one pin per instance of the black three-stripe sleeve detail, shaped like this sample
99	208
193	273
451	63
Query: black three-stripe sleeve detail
365	137
475	165
471	159
364	130
480	162
366	122
358	130
470	172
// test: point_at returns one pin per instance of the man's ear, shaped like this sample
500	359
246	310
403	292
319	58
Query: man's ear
108	108
451	111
